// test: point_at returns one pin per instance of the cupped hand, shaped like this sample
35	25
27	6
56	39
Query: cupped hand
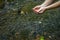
39	9
36	8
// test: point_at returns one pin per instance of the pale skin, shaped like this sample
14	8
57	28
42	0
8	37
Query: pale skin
45	6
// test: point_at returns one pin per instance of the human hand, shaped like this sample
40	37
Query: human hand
36	8
39	9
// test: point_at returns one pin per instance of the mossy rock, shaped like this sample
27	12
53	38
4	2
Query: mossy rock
28	7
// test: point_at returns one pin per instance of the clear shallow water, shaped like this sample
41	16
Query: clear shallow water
17	26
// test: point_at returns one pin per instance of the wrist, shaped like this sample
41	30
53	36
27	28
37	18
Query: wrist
43	5
47	7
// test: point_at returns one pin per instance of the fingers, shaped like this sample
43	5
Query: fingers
36	10
41	12
39	9
36	7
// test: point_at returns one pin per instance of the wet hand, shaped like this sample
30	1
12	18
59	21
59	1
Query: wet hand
36	8
40	10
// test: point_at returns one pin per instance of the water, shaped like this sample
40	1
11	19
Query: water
16	26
